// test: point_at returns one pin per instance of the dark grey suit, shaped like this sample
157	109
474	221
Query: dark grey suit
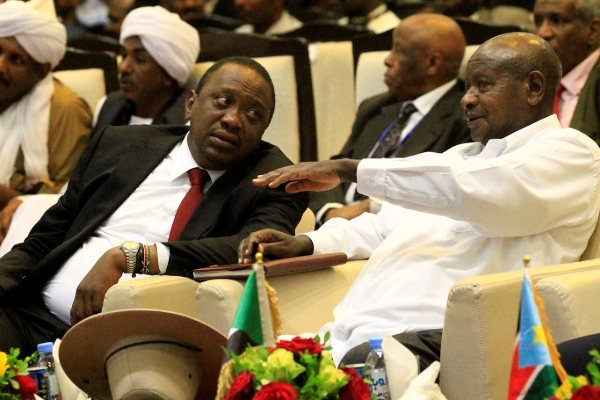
442	128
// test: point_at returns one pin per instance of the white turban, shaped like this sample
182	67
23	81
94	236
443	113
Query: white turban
173	43
35	27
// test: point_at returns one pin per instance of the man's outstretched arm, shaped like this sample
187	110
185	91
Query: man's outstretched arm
311	176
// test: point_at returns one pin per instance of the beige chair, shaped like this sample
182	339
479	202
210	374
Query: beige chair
332	74
87	83
480	322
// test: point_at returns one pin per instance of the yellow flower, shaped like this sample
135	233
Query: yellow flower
3	363
332	377
282	366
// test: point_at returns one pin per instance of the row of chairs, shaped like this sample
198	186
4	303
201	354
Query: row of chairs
318	85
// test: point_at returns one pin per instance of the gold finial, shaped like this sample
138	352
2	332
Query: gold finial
259	258
526	261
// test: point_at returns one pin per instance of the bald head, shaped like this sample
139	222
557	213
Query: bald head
511	81
426	53
519	54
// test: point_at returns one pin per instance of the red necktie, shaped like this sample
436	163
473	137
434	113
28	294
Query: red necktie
198	177
559	91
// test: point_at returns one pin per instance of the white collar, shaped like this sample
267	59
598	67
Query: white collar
183	162
425	102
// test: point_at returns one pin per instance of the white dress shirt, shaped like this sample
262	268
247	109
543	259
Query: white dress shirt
145	217
470	211
379	20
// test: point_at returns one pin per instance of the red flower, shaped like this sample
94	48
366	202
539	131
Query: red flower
300	345
27	386
277	391
241	388
356	388
587	392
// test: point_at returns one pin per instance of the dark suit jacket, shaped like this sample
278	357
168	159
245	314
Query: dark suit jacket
586	117
117	110
116	161
442	128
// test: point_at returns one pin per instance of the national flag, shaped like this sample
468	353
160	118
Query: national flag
532	374
253	323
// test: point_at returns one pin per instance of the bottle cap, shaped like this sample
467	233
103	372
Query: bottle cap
375	343
45	347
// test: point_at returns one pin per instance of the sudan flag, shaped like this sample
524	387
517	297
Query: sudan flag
532	374
252	325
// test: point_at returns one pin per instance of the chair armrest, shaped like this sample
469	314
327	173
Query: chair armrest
571	301
170	293
480	327
306	300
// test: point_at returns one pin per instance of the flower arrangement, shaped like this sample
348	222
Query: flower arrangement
578	388
15	382
299	369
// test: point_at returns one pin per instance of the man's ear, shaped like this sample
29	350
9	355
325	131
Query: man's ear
434	62
44	70
536	89
189	102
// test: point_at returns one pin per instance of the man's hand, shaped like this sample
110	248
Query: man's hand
273	243
6	216
348	212
311	176
90	293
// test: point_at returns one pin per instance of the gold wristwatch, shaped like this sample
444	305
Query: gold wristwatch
130	249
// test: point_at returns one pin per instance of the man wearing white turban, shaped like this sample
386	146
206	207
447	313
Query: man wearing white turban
44	126
159	53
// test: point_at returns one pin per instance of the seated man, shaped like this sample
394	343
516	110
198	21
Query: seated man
527	186
572	27
373	14
186	9
44	126
422	67
152	71
130	186
267	17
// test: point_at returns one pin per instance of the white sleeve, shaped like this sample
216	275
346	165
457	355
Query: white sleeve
541	185
359	237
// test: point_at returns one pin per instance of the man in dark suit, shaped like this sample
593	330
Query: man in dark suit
131	186
572	28
422	68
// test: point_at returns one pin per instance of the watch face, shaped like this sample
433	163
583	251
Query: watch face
130	245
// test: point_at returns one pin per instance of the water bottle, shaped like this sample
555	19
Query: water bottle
46	359
375	370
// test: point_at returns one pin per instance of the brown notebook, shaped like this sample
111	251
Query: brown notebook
283	266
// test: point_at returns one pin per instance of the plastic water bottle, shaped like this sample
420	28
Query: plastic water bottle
375	370
47	360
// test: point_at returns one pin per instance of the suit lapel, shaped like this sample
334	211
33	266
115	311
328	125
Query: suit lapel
376	127
129	172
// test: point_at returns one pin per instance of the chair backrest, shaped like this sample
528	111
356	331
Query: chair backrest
477	32
369	75
82	59
207	22
95	42
479	331
87	83
369	43
368	53
290	72
333	87
593	248
326	31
